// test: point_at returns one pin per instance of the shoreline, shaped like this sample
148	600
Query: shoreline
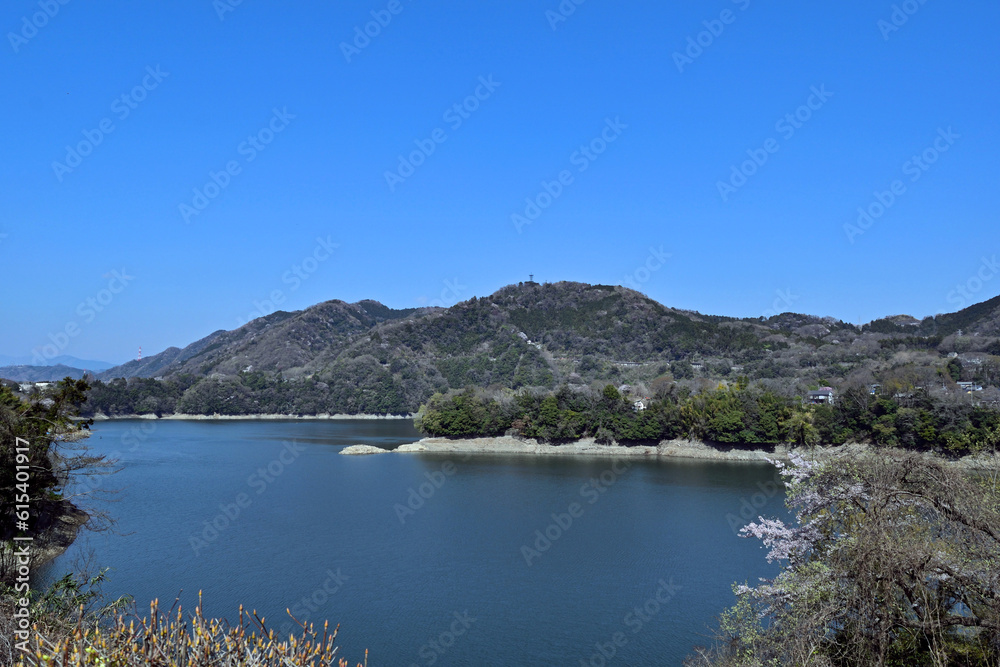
666	449
54	540
101	417
60	536
587	447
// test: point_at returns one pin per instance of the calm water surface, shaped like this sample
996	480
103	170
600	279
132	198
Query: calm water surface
424	560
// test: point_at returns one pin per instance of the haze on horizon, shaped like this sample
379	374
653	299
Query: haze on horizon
170	169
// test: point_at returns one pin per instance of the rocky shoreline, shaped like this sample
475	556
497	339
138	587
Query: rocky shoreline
666	449
681	449
363	450
58	537
677	449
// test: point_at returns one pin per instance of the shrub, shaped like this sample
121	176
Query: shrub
168	639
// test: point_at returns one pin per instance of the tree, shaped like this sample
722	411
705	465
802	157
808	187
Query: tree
800	430
892	560
682	369
954	368
61	468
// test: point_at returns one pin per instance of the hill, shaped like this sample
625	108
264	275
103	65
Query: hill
366	357
292	343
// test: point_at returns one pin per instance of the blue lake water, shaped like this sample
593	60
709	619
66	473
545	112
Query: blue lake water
424	559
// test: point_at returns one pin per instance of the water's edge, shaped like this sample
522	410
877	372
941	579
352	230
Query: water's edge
587	447
666	449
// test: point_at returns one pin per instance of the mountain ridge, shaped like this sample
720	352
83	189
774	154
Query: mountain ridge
367	357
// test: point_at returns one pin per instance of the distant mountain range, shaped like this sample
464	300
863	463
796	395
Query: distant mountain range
61	360
23	373
366	357
22	369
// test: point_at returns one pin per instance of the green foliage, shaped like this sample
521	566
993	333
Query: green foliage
351	358
682	369
743	414
462	414
954	368
358	385
38	421
63	598
737	415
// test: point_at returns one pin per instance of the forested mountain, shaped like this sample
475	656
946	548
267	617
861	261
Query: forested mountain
293	343
981	319
337	357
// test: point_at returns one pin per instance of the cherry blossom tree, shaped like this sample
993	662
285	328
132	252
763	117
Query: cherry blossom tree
892	559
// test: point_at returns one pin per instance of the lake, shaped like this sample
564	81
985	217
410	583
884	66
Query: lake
423	559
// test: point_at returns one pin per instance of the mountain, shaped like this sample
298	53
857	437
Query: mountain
24	373
295	344
981	319
63	359
366	357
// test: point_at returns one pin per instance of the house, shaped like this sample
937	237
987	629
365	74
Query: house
28	387
823	395
639	405
969	387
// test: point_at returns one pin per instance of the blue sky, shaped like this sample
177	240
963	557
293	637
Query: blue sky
117	115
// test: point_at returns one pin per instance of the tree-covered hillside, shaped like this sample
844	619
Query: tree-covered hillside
735	415
365	357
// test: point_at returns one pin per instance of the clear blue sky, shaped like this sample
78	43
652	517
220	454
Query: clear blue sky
445	232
